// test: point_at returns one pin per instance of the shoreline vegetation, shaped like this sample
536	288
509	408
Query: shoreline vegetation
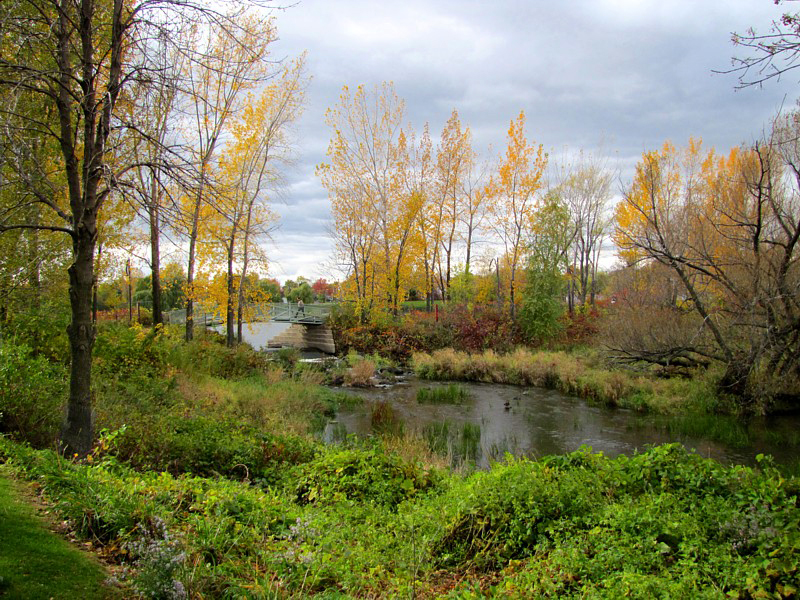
210	479
579	374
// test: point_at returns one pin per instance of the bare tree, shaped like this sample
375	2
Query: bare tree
585	187
772	53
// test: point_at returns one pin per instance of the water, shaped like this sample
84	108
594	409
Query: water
258	335
540	422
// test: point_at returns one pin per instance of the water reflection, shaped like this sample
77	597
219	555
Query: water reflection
539	422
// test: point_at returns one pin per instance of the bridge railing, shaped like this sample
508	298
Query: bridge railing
294	313
287	312
201	316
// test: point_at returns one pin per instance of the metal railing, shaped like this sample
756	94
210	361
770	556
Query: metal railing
282	312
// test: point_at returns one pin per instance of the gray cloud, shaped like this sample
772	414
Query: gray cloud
620	75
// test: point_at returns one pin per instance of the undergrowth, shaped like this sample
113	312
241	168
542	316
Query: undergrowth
356	521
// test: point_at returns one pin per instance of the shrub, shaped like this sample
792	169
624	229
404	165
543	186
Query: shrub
32	392
360	373
360	475
208	447
503	514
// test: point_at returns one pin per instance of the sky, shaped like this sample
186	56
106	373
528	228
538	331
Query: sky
611	77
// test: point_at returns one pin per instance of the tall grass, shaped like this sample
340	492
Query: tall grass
461	444
571	373
449	394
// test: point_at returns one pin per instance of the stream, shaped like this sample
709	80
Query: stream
495	419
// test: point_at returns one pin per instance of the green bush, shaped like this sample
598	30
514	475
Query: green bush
360	475
505	513
32	393
208	355
211	447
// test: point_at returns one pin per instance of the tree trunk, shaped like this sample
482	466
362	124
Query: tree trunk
155	261
230	338
77	432
190	268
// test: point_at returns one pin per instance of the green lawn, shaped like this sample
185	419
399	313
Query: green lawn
35	563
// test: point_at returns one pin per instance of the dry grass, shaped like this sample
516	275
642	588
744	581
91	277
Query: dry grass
360	374
576	375
413	447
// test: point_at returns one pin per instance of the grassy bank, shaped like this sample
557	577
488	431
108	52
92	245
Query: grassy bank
208	481
575	374
358	521
36	563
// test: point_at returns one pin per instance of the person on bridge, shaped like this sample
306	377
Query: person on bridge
301	307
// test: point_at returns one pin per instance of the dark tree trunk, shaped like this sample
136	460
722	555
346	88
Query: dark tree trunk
77	433
190	275
155	263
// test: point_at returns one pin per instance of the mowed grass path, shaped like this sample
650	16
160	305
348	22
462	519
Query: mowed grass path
36	563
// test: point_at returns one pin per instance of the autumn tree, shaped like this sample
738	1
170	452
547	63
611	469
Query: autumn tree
366	181
512	193
249	168
727	227
234	61
455	161
323	290
71	61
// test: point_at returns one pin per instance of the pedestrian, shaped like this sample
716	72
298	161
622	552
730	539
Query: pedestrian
301	308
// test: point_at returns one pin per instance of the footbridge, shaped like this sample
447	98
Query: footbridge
289	312
308	329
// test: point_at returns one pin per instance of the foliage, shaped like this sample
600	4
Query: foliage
32	392
355	474
209	447
726	227
359	522
477	328
513	195
544	287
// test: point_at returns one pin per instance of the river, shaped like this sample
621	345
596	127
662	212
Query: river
535	422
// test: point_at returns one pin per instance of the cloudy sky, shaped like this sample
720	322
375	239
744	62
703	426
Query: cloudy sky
614	77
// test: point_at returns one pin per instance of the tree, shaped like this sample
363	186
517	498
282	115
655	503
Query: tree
72	61
548	246
366	179
302	292
323	289
239	214
232	65
728	228
152	112
454	162
512	194
261	144
773	53
586	190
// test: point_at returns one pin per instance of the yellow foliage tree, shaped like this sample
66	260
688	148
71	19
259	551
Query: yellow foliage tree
512	195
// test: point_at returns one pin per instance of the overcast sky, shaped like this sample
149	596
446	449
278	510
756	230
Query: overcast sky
615	77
